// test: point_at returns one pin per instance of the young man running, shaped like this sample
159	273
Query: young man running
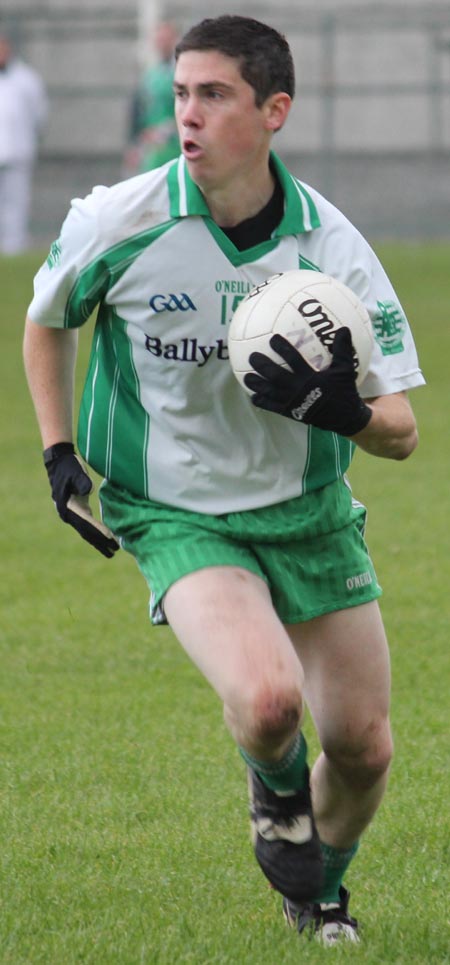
240	518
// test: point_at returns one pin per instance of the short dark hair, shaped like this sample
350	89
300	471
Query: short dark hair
263	54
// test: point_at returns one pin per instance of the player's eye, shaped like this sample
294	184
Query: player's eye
214	95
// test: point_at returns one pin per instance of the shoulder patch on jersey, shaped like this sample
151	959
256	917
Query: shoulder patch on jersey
54	255
389	327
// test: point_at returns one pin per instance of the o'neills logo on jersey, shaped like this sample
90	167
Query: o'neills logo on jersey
187	350
172	303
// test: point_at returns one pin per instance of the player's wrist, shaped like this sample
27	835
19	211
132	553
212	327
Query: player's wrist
359	421
58	449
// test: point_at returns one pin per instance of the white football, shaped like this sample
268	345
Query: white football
306	307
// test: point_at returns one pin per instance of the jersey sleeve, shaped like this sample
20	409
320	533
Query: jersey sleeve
394	365
72	280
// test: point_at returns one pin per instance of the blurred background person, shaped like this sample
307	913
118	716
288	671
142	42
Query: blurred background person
152	134
23	110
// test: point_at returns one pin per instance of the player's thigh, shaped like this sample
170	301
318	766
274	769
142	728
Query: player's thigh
345	659
224	618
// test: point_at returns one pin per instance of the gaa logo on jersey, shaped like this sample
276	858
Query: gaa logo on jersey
172	303
389	327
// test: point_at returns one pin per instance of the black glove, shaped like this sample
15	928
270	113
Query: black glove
328	399
71	486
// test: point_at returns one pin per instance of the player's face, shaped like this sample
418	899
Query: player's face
223	135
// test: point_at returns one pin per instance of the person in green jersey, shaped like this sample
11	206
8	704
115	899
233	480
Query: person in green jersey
152	135
238	513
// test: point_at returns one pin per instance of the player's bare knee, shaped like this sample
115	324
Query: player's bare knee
362	762
275	716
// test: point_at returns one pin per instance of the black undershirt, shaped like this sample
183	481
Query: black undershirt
260	228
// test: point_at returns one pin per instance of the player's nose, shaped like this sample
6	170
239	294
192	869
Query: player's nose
190	113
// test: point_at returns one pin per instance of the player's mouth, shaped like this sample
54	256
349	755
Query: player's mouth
191	150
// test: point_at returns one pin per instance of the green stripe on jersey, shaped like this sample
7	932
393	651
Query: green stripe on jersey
311	217
329	456
109	411
303	263
100	275
300	212
185	197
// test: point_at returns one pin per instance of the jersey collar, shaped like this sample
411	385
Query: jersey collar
300	212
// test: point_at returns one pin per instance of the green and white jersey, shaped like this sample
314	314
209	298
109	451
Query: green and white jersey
162	413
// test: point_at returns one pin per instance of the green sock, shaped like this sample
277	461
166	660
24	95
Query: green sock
287	775
335	864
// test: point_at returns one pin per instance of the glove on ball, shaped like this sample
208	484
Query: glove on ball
328	399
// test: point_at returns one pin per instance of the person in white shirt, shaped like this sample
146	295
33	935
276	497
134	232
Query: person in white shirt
23	111
240	517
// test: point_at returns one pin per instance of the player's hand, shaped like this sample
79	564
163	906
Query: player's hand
71	486
328	399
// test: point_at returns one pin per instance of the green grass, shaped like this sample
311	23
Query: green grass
123	830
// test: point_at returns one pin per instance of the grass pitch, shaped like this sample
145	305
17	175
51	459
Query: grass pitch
123	830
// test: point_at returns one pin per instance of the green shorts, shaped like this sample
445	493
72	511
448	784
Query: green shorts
309	550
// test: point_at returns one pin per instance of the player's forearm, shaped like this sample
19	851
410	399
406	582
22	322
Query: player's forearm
392	431
49	357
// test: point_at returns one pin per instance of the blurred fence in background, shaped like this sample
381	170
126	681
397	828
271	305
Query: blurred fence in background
370	126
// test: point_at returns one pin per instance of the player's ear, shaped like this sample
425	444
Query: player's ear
276	109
